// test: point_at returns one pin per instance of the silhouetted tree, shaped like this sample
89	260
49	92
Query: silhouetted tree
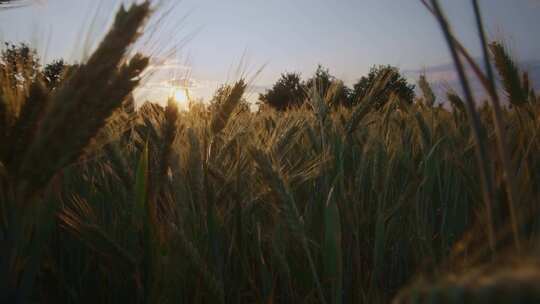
19	63
397	84
287	92
329	87
53	72
321	80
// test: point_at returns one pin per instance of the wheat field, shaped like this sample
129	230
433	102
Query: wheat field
407	203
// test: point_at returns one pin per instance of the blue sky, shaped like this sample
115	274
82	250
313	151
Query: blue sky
347	36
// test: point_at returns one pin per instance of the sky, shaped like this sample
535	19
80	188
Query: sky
218	41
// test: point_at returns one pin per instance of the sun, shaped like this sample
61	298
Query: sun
179	95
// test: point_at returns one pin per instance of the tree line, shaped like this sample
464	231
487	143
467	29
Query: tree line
291	91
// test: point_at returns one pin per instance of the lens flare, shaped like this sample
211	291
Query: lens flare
179	95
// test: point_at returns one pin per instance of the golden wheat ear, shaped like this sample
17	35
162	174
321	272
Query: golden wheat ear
369	101
159	182
226	108
456	101
169	131
509	73
428	97
80	107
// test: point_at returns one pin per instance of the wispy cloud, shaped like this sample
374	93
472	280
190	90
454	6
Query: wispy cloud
157	64
180	83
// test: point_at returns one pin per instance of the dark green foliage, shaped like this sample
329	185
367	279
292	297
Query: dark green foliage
397	85
19	63
53	73
321	80
287	92
22	67
329	87
290	91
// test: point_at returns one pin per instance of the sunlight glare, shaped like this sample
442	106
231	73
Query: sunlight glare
179	95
